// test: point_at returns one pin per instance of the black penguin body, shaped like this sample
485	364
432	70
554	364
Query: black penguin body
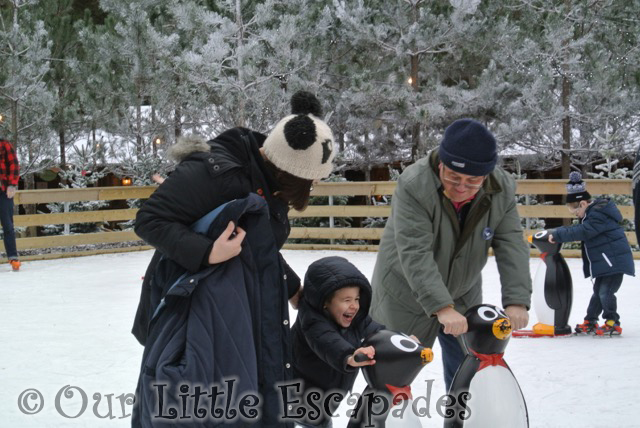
399	360
484	392
552	288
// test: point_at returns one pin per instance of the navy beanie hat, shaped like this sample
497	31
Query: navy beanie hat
576	188
468	147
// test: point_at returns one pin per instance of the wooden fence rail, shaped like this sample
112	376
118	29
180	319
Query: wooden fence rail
524	187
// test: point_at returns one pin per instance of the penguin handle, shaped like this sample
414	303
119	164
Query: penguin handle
541	241
361	358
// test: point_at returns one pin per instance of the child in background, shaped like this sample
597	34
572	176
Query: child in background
606	253
332	322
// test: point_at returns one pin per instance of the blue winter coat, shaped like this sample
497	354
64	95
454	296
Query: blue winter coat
227	321
605	248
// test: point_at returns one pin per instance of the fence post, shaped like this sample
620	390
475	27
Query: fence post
67	227
527	221
331	224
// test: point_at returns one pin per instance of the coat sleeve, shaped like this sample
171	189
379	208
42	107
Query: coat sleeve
413	227
370	327
12	167
512	255
326	342
588	229
187	194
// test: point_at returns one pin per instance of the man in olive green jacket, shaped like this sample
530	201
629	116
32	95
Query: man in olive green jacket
447	211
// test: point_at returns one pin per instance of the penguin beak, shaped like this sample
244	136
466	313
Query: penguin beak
530	239
502	328
426	355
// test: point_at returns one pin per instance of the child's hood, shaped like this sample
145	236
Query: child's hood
328	274
606	207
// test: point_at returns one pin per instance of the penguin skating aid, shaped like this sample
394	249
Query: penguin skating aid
399	360
552	291
486	391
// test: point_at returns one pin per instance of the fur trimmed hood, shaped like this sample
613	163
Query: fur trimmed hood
186	146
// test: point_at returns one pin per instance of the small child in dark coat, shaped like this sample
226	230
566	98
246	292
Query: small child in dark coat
606	253
332	322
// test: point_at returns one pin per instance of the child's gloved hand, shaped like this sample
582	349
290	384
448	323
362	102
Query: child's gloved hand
368	351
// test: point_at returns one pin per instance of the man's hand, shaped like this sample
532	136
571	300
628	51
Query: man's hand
227	246
453	322
11	191
369	351
553	241
518	316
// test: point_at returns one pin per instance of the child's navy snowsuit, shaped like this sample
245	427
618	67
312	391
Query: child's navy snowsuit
320	346
606	255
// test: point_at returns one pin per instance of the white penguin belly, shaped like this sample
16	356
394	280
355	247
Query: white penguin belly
545	314
496	400
403	416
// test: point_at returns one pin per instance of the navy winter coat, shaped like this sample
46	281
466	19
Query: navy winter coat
214	325
605	248
209	175
320	346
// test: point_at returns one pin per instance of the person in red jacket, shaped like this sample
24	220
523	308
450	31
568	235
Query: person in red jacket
9	175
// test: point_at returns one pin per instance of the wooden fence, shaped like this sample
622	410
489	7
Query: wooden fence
369	189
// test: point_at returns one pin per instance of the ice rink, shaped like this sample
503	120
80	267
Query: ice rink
65	329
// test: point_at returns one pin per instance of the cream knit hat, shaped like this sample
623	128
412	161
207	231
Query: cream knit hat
301	143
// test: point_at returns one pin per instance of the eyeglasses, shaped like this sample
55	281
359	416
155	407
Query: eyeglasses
473	183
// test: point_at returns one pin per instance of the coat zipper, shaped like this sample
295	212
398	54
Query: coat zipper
586	251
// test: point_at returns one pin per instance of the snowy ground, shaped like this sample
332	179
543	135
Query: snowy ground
67	322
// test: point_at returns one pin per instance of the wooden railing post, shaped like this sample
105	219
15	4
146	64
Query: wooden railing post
331	224
67	226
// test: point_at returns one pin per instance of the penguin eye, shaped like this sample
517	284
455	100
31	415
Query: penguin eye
404	343
501	313
487	313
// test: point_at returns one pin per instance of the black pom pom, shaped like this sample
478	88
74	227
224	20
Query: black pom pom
303	102
300	132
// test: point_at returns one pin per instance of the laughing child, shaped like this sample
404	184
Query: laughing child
332	322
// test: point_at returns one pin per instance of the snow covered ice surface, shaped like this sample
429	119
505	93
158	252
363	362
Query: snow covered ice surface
67	322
